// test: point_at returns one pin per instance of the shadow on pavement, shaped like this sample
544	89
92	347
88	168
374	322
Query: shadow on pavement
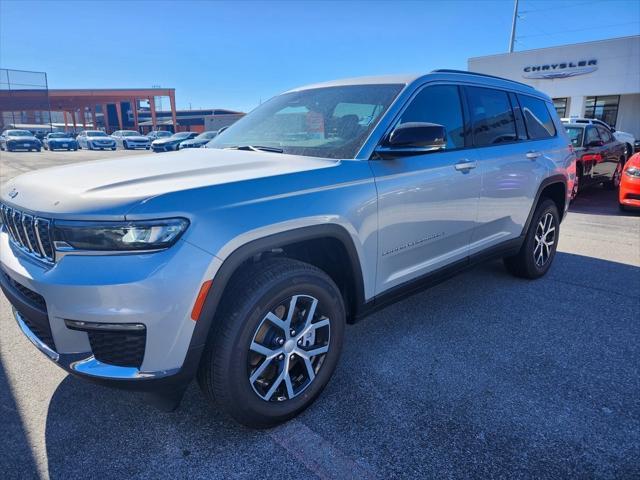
482	376
596	200
16	458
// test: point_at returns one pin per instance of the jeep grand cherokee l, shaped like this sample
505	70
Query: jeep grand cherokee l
241	264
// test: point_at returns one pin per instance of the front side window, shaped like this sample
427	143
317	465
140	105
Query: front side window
491	116
605	134
537	117
592	136
330	122
439	104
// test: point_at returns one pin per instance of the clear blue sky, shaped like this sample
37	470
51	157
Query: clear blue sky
232	54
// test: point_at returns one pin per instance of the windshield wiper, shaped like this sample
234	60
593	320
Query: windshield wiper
256	148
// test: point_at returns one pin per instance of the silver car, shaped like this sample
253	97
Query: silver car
95	140
242	264
131	140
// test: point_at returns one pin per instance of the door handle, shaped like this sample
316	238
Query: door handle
532	155
465	166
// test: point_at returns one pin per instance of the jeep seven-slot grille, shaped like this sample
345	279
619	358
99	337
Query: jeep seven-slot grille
31	234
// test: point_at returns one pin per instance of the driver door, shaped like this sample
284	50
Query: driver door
428	202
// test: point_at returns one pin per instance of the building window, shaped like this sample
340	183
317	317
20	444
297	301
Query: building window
603	108
561	106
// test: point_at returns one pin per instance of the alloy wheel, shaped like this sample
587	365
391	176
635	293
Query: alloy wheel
544	238
288	349
617	175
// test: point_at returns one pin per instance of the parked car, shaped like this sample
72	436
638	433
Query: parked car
629	193
637	146
11	140
199	141
173	142
156	134
60	141
242	264
95	140
130	139
600	157
627	138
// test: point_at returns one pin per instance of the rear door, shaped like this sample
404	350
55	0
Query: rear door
428	202
511	160
610	154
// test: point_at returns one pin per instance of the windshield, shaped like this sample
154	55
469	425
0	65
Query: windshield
206	136
575	135
58	135
19	133
96	133
331	122
163	133
129	133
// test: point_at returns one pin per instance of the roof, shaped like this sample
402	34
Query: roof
370	80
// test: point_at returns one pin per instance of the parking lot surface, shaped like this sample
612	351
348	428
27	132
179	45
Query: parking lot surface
482	376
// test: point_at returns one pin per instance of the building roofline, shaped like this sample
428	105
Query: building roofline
555	46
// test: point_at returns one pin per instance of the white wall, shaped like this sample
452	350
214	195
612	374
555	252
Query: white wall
618	67
629	114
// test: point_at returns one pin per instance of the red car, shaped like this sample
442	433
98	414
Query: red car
629	193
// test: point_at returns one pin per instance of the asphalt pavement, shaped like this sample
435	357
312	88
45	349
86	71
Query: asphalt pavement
483	376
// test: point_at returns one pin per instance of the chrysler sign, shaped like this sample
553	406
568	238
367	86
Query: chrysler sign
560	69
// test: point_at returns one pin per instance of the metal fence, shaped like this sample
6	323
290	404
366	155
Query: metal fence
24	100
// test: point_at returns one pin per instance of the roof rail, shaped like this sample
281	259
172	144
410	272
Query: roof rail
445	70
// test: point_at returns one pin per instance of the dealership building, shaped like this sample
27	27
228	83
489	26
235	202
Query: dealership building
598	79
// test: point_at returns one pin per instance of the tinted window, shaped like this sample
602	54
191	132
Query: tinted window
575	135
491	116
592	136
537	117
441	105
605	134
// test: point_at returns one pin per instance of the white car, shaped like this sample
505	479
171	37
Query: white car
624	137
130	139
95	140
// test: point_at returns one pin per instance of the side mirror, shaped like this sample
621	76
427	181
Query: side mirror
414	138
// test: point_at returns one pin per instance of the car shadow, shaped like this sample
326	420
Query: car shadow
483	373
16	457
596	200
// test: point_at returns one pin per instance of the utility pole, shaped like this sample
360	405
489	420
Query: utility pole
513	26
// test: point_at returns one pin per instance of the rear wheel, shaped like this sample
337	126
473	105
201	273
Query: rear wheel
276	343
539	247
614	183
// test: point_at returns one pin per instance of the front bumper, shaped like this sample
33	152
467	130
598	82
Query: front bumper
100	145
156	290
629	192
165	147
23	145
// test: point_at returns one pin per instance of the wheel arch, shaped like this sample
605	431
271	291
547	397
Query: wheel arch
554	188
334	243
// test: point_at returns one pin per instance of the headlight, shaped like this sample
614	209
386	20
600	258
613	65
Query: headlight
118	236
633	172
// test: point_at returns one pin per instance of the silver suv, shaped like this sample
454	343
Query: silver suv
241	264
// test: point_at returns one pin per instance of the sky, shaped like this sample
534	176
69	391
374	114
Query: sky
236	54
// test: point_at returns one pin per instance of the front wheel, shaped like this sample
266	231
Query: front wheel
276	343
539	247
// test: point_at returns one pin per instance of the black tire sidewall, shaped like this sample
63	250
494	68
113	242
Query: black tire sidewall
230	361
548	206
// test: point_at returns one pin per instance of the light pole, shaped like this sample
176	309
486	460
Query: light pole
513	26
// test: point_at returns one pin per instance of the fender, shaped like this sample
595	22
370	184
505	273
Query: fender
558	178
248	250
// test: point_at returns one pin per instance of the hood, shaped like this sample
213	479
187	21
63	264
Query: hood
108	189
24	138
136	138
163	140
93	139
196	141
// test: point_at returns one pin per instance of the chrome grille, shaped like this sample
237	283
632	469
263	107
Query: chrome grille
31	234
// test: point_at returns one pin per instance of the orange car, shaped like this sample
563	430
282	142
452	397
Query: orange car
629	194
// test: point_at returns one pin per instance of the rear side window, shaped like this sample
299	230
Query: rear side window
537	118
605	134
439	104
492	119
592	136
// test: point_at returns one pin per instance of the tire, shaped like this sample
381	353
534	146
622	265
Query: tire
38	149
125	146
614	183
525	263
224	371
576	184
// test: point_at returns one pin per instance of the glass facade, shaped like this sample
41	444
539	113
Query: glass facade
560	105
603	108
